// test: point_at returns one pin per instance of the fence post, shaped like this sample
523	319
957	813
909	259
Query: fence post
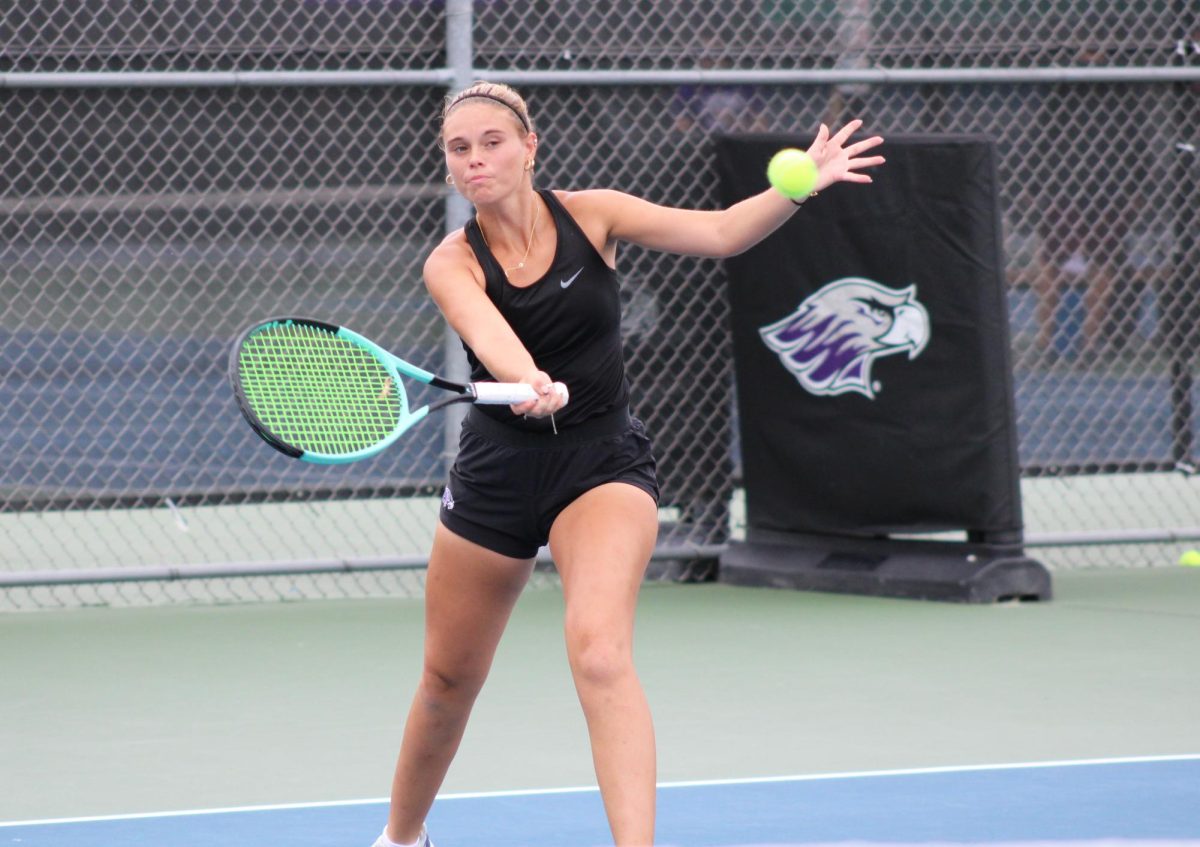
460	58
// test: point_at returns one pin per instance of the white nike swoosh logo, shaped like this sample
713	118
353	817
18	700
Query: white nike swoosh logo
566	283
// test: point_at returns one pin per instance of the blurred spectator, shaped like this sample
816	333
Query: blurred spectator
1147	247
1023	254
1080	247
719	108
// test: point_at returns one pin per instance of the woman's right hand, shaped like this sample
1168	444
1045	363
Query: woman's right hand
550	399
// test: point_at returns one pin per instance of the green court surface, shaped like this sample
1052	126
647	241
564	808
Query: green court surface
117	711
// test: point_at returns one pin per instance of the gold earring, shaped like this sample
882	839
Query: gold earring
449	179
529	165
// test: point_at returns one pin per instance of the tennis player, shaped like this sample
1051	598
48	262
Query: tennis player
531	287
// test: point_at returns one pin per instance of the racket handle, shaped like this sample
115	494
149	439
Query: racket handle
508	393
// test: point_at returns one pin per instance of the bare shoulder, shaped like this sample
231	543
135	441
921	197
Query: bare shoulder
452	261
610	216
597	211
603	201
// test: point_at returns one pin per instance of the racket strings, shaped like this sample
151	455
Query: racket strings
318	391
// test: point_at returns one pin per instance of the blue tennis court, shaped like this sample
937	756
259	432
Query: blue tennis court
1127	799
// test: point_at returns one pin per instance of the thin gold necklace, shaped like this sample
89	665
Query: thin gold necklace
537	213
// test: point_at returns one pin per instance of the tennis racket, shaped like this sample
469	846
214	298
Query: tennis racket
324	394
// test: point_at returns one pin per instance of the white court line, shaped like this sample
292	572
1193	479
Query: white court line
532	792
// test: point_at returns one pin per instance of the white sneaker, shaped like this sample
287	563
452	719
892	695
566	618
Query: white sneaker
384	841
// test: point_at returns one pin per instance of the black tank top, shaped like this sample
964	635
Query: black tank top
569	320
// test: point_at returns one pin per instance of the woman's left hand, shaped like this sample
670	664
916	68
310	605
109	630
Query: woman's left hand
838	162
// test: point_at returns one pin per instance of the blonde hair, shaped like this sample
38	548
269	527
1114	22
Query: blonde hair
497	92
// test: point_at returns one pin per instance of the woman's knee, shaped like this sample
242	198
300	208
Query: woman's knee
598	657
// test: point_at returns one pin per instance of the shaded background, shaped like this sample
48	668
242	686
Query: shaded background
143	222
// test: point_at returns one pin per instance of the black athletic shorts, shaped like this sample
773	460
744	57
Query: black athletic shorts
507	486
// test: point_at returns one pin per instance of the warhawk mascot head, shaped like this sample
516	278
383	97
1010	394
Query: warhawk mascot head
830	341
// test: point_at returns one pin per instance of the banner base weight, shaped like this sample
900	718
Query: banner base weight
950	571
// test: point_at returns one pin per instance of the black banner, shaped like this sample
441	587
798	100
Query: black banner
871	346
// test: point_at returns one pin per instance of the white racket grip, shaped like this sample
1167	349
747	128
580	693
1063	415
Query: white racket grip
503	393
509	393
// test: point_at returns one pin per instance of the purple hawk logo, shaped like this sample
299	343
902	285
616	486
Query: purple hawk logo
830	341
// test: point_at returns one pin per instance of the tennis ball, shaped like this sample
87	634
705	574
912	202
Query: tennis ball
792	173
1190	559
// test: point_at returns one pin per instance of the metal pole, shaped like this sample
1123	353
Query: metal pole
457	76
1182	335
460	56
241	570
219	79
850	76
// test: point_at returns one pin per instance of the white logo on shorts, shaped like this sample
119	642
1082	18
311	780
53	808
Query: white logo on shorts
447	499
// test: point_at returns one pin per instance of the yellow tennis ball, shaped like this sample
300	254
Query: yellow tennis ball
1190	559
792	173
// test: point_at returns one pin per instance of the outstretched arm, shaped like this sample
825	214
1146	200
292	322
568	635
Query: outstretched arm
479	323
741	226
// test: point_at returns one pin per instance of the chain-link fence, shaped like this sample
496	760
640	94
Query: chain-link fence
155	195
